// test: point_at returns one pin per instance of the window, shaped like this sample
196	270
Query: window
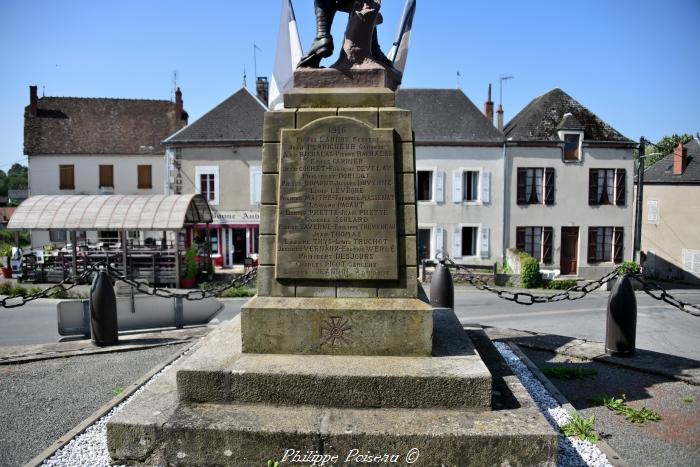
143	173
535	185
200	241
606	186
255	184
572	147
691	261
470	236
207	183
66	177
106	176
470	182
57	236
605	244
535	241
652	211
425	185
423	244
256	239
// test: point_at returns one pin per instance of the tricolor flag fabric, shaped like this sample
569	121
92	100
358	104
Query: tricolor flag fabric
288	55
399	52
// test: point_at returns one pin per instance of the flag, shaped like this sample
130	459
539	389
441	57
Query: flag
288	55
399	52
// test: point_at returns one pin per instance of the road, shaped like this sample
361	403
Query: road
660	327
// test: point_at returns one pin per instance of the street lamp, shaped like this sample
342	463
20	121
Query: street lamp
640	198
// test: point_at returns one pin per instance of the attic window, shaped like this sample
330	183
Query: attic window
572	146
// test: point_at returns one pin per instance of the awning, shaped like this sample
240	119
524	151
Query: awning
110	212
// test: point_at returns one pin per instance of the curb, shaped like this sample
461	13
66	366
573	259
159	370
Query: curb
101	412
613	457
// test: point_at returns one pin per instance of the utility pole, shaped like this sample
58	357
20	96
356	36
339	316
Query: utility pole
640	200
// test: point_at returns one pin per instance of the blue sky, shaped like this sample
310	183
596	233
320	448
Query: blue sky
635	63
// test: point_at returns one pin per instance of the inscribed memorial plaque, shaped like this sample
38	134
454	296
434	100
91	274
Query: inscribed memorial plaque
337	202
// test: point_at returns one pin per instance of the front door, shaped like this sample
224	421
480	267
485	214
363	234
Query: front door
569	250
239	245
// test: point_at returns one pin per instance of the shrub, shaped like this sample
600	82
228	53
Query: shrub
529	271
6	288
561	284
629	267
240	292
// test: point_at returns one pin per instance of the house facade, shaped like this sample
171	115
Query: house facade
568	187
220	156
670	237
459	173
93	146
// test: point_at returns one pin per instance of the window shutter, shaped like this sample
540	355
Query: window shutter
457	243
440	186
593	187
620	180
66	177
439	242
592	241
144	178
547	241
484	242
457	189
485	185
521	186
549	185
520	238
255	184
618	241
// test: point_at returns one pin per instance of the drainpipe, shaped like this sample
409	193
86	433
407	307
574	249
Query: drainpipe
505	223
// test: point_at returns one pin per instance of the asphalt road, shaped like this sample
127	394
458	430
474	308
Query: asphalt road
660	327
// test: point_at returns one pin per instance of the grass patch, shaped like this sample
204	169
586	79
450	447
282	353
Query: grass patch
631	414
568	372
581	428
560	284
118	391
240	292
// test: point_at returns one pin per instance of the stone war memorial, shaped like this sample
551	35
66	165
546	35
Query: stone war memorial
339	359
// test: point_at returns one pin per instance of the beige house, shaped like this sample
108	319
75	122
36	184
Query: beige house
94	146
670	213
569	185
220	156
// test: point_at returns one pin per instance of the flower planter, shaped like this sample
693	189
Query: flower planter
187	283
7	273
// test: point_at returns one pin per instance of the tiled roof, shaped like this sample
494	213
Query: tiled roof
238	118
662	171
78	125
540	119
446	115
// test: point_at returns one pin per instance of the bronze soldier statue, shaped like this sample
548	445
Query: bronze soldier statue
322	46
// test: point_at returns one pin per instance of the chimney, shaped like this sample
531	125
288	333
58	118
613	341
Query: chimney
488	107
262	88
33	101
499	117
680	159
179	110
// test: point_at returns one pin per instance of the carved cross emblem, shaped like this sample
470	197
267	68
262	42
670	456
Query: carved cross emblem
336	332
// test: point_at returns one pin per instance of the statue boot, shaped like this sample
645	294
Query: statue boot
322	46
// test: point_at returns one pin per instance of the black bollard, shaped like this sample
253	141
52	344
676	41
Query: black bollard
621	327
103	311
442	290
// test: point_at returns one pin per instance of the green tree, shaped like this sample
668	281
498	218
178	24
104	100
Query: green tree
3	183
664	147
17	177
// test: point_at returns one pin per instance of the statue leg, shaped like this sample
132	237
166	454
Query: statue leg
377	53
323	43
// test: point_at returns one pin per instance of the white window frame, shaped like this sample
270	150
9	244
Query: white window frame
562	136
476	254
433	185
432	228
461	171
207	170
653	219
255	194
690	259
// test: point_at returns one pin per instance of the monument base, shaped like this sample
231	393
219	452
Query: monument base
219	407
368	77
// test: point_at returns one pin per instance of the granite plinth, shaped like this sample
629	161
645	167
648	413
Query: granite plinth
334	78
337	326
336	98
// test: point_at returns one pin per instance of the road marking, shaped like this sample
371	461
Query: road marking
471	319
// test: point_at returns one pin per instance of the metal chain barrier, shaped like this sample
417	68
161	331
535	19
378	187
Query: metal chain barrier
191	295
14	301
577	292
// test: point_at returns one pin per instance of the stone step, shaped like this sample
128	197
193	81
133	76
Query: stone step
250	434
343	381
455	377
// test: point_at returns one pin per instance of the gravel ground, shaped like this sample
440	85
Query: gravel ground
673	441
40	401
